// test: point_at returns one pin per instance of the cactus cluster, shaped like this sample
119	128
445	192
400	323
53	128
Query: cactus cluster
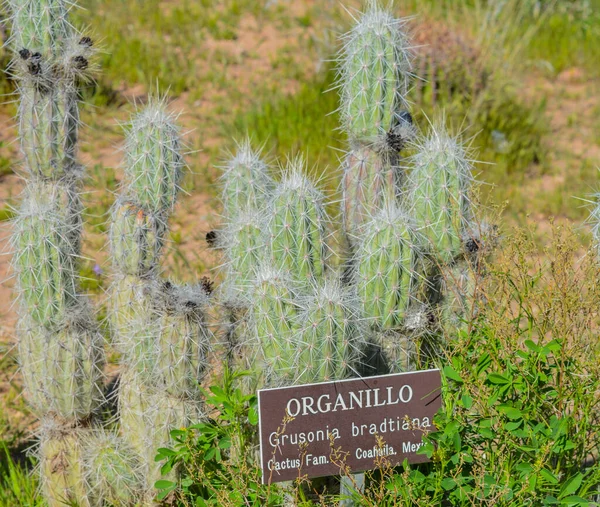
295	311
408	223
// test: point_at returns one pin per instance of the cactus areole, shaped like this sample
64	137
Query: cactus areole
298	424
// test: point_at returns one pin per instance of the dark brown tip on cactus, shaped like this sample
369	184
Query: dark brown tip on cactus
35	66
207	284
211	238
394	142
472	245
86	41
25	54
80	62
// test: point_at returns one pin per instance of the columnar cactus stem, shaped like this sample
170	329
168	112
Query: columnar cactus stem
112	471
330	339
374	78
375	71
297	226
274	322
60	349
159	327
243	242
388	267
439	189
247	184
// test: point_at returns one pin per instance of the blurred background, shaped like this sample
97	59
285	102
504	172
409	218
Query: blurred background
519	79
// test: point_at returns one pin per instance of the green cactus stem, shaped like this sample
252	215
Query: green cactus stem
113	472
247	184
147	416
60	456
388	267
374	77
181	341
154	161
45	244
330	338
369	180
243	242
136	239
274	323
439	189
62	369
297	226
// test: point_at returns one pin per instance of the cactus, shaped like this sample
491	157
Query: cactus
439	189
51	58
330	338
61	464
297	226
374	78
112	471
274	323
177	358
46	246
60	348
62	369
247	185
159	327
154	165
136	239
369	180
243	242
147	416
388	267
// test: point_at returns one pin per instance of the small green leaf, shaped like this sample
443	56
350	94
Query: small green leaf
571	486
452	374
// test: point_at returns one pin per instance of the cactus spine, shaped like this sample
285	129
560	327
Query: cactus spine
297	226
439	193
331	337
60	349
159	327
374	78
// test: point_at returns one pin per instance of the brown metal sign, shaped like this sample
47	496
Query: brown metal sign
313	430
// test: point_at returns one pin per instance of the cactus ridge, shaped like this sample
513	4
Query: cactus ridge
136	238
155	164
298	226
439	188
331	336
112	471
62	369
388	267
246	182
45	246
243	242
369	180
274	322
374	75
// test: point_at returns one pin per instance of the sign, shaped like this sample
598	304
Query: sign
311	430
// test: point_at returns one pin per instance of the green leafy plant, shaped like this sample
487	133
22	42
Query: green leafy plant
216	458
